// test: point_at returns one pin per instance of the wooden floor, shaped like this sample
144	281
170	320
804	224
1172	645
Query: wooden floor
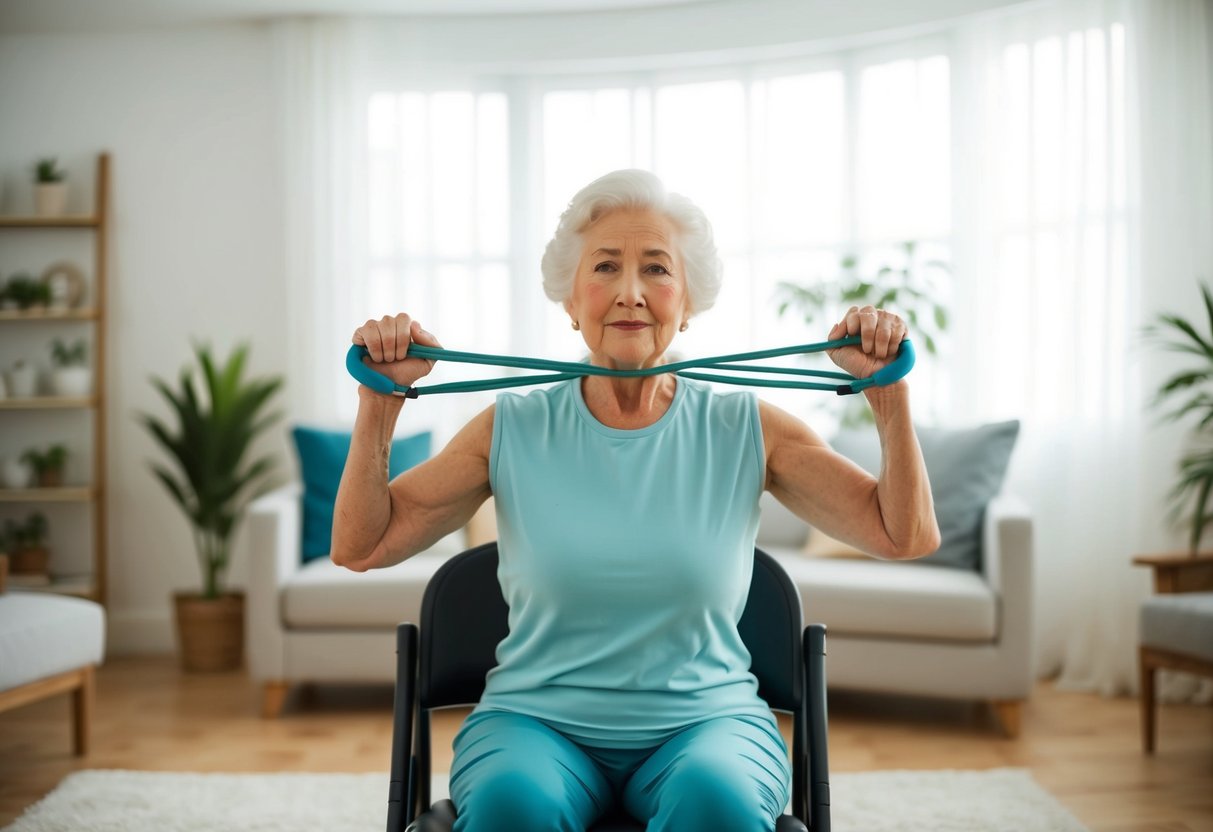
1081	748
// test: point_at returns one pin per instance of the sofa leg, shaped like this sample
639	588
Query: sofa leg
1008	712
82	711
273	697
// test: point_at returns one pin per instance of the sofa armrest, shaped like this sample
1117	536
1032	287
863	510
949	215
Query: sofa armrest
1007	565
275	529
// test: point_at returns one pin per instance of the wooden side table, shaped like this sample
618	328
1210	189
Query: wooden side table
1179	572
1173	573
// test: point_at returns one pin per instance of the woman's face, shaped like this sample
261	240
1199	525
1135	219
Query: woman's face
630	292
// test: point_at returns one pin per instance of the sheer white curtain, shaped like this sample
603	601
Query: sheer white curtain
1068	114
322	119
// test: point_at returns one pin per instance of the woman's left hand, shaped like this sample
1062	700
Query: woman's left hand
881	333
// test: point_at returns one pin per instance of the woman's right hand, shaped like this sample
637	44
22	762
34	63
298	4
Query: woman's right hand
387	340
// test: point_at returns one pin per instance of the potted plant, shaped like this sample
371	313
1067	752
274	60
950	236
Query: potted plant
23	292
50	191
47	465
28	552
912	289
212	481
1190	391
71	375
22	380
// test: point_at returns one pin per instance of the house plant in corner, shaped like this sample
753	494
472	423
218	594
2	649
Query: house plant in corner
1192	388
213	480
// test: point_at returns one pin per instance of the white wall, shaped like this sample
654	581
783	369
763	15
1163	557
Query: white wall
196	249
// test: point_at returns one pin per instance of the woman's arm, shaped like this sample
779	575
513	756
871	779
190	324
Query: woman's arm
377	523
891	516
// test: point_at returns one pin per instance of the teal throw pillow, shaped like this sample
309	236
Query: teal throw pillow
322	455
966	468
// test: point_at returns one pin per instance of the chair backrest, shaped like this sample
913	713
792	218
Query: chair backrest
464	618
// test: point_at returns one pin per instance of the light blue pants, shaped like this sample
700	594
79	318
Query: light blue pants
514	773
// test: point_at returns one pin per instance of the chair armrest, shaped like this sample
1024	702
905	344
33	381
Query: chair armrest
1007	566
275	521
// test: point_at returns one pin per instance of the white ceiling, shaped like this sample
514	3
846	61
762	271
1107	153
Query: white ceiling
27	16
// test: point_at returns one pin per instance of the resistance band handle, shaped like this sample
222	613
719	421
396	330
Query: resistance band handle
376	381
897	370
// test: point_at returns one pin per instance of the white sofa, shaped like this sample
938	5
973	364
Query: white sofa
894	627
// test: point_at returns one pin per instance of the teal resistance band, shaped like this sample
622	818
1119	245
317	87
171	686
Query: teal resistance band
564	370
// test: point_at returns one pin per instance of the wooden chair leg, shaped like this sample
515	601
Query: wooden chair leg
273	697
1148	710
1008	712
82	711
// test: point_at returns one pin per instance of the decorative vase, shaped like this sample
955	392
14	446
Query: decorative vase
51	198
15	473
75	382
22	381
210	631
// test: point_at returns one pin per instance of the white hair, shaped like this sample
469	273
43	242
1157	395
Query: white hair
633	189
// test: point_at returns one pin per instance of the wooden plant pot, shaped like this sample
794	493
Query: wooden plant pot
210	632
29	561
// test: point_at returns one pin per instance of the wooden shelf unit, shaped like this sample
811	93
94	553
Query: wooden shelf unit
92	586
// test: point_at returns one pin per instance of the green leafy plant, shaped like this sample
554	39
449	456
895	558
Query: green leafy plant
208	447
26	291
75	355
908	288
46	462
47	171
20	536
1192	388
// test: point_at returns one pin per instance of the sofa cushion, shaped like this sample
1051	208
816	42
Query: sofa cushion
892	598
966	468
1179	622
322	455
43	635
326	596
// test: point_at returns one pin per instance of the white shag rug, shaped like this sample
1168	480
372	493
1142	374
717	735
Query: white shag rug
997	800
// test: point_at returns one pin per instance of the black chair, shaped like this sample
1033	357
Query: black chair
464	617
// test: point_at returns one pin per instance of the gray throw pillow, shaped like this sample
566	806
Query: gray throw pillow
966	468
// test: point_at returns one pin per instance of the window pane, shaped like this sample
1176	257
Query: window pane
452	157
700	146
904	181
802	165
492	175
585	134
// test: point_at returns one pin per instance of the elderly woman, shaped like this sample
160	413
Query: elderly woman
627	510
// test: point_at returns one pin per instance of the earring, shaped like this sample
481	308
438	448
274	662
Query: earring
576	325
684	326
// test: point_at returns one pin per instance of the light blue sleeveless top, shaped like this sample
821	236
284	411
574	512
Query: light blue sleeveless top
625	558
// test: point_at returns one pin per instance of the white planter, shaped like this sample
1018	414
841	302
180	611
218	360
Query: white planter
15	474
51	199
22	381
72	381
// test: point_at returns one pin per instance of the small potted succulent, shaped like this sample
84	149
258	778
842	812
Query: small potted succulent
71	375
47	465
28	552
50	191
